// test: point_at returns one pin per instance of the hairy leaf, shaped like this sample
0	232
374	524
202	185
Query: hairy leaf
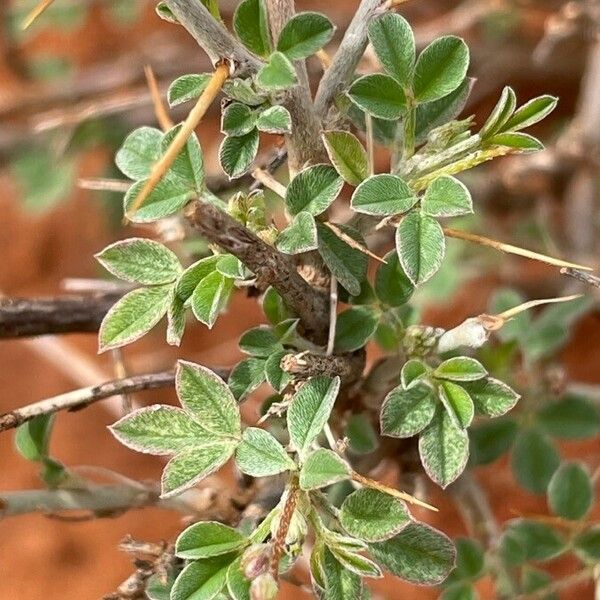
383	195
379	95
406	412
322	468
304	34
207	539
260	454
347	155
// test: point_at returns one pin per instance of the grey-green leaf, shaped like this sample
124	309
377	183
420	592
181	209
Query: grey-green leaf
347	155
210	297
277	74
259	454
373	516
237	153
194	274
491	397
313	190
140	261
139	152
394	43
447	197
166	198
132	316
304	34
202	579
300	235
192	465
275	119
187	87
383	195
531	112
207	539
570	491
260	341
421	246
246	376
208	400
237	119
379	95
419	554
444	449
322	468
251	25
405	413
310	409
458	403
501	113
440	68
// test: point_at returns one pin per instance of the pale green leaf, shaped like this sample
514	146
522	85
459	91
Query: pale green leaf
517	141
194	274
447	197
300	235
412	371
275	119
340	583
133	316
208	538
501	113
322	468
175	320
421	246
347	155
310	409
202	579
259	454
406	412
187	87
458	403
140	150
210	297
277	74
460	368
531	113
260	341
383	195
208	400
167	197
246	376
277	378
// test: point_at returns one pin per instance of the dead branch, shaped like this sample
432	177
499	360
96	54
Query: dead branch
24	317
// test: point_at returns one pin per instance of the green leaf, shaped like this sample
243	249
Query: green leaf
460	368
355	562
140	150
573	418
277	378
470	559
379	95
260	454
444	449
242	91
419	554
439	112
33	437
518	141
156	588
570	491
421	246
348	265
206	397
394	44
237	119
372	516
532	112
237	153
383	195
447	197
340	583
322	468
192	465
202	579
587	544
458	403
491	397
310	409
304	34
313	190
207	539
501	113
161	430
274	307
140	261
187	171
534	460
187	87
246	376
194	274
231	267
166	198
164	12
347	155
492	439
299	236
412	371
354	328
534	580
362	437
260	341
277	74
405	413
392	286
237	584
251	25
275	119
175	319
440	68
210	297
459	591
538	541
133	316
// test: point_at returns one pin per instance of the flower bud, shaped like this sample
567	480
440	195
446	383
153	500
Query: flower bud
255	560
264	587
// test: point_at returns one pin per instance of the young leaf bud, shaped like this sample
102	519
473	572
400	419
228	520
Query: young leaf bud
255	560
264	587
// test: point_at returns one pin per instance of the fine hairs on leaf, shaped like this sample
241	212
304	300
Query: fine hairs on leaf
347	409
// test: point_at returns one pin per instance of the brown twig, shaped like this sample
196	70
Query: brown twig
160	110
35	13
